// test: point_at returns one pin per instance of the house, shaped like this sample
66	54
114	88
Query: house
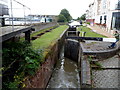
105	14
90	15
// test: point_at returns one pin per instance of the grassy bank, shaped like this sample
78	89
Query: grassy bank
24	60
49	38
38	32
89	32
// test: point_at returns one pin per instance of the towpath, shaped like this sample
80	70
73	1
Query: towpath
100	31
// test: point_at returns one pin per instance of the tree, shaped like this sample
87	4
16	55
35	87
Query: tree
61	18
83	17
66	14
78	18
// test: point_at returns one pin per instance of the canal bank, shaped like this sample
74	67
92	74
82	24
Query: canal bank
65	75
42	76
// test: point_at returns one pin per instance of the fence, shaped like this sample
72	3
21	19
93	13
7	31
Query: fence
14	13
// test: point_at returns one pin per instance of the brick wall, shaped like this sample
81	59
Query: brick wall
42	76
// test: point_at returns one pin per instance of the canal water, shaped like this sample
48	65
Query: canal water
65	74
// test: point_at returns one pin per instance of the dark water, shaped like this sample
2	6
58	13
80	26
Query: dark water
65	74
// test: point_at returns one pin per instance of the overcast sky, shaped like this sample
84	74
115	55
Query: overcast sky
53	7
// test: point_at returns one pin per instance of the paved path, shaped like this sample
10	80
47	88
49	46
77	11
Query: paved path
107	78
100	31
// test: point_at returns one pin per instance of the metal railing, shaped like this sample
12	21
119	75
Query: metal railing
17	14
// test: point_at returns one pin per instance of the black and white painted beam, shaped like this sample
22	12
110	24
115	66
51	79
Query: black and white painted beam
93	38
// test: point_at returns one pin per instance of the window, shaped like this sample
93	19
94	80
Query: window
116	21
104	4
3	9
118	6
100	19
105	18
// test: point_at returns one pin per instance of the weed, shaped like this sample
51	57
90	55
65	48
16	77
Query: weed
19	61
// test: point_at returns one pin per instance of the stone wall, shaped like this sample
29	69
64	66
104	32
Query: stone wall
41	26
43	74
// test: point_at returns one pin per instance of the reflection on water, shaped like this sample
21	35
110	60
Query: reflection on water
65	74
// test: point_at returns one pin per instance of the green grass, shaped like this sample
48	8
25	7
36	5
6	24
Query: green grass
89	32
36	33
49	38
41	31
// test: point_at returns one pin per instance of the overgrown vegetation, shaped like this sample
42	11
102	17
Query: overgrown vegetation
94	64
19	61
89	32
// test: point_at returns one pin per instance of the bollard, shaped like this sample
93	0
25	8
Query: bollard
83	34
27	35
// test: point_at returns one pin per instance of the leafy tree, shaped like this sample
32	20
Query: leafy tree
61	18
78	18
83	17
66	14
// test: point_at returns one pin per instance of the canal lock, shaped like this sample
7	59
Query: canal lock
73	69
66	72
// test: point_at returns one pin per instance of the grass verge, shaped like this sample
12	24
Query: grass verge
89	32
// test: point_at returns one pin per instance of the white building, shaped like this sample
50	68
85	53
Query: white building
3	11
106	14
3	7
90	15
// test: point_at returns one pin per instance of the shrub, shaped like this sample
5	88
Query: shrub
19	61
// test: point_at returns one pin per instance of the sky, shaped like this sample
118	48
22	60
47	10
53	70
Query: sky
53	7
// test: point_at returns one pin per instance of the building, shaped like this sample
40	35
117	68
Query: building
106	14
42	18
90	14
3	7
3	11
49	18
